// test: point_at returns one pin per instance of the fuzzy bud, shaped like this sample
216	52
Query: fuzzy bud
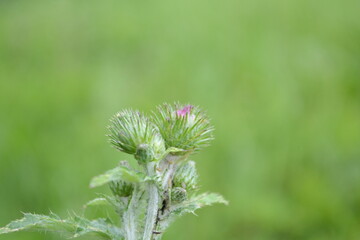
178	194
133	133
121	188
144	153
186	176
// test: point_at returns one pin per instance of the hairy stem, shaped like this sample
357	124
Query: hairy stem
161	226
153	204
169	166
129	217
169	172
170	163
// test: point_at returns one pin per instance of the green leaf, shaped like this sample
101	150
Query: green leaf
117	174
194	203
189	206
99	227
97	202
39	222
106	200
173	150
73	227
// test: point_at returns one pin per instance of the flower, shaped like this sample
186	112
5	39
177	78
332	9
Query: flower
133	133
186	110
183	126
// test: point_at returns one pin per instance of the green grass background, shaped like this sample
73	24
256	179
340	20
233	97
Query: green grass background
280	80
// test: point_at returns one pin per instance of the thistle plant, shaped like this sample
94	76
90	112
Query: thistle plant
149	197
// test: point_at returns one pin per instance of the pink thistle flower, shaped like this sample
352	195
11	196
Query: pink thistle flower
183	112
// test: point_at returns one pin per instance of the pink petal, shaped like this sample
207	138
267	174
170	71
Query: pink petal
184	111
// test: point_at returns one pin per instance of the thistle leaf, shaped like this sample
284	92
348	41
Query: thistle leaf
97	202
117	174
118	204
189	206
173	150
99	227
39	222
194	203
72	227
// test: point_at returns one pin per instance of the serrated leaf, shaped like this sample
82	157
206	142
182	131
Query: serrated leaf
189	206
97	202
39	222
207	199
72	227
117	174
173	150
105	200
100	227
118	204
194	203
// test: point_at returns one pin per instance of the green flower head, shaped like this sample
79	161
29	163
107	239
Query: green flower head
133	133
183	126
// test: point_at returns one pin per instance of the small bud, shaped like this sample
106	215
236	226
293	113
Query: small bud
133	133
183	126
121	188
144	153
178	194
186	176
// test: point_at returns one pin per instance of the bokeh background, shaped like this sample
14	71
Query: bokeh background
280	80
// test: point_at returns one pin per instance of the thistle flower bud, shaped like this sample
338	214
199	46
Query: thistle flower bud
183	126
186	177
178	194
121	188
133	133
143	153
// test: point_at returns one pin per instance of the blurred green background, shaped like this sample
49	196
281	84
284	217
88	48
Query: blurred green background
280	80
